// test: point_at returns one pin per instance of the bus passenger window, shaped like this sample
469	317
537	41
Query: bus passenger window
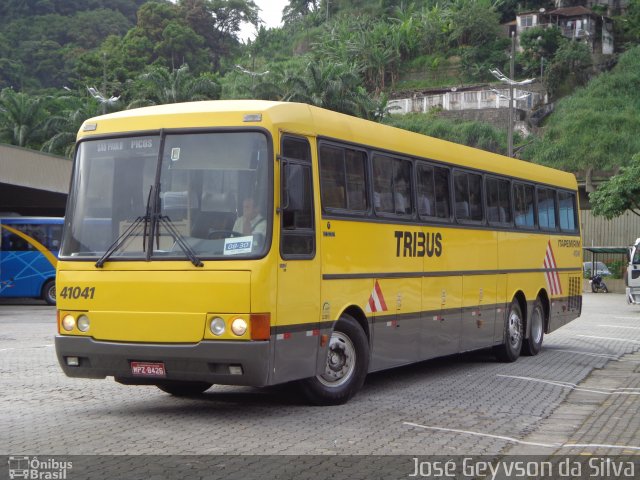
498	203
332	177
382	184
342	178
355	161
392	185
468	193
547	208
567	211
524	205
426	191
441	180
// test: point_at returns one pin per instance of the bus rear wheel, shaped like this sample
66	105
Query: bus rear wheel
509	351
184	389
532	345
346	366
49	292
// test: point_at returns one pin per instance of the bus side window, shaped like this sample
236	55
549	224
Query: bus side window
426	191
524	205
355	168
567	203
332	177
547	208
392	185
297	223
498	201
443	202
468	196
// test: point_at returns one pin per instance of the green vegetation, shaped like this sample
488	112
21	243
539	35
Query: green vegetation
596	127
474	134
345	55
620	193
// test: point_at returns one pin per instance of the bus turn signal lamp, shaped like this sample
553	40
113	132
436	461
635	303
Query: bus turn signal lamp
260	326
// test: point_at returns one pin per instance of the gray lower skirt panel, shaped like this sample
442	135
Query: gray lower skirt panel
207	361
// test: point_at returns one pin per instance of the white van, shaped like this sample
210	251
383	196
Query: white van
632	278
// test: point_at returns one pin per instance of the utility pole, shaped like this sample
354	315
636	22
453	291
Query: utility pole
512	72
512	83
104	80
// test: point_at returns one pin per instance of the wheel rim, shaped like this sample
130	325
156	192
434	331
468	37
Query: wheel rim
341	361
51	293
536	326
515	329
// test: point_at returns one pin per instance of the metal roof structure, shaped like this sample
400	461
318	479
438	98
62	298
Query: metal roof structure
32	182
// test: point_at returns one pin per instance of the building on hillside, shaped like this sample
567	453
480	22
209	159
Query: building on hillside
611	7
577	23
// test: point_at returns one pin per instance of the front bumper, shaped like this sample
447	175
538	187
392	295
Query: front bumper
633	295
207	361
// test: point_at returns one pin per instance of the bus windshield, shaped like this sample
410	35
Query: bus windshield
165	196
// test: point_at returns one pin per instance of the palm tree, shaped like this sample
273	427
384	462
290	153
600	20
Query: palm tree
64	127
332	86
164	86
22	118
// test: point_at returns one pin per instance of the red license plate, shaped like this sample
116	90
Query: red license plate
148	369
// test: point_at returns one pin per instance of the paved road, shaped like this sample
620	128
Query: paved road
467	404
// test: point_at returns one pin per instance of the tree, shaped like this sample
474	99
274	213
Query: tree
63	127
538	45
182	45
332	86
22	118
162	86
298	9
620	193
570	68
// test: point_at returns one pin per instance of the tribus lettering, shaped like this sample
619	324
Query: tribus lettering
418	244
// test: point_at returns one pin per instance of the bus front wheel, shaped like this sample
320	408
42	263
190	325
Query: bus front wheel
509	351
184	389
345	368
49	292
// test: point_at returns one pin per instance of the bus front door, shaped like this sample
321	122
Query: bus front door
298	297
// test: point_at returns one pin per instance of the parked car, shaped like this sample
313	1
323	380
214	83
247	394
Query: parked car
601	269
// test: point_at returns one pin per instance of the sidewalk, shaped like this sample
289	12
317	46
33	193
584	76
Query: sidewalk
599	417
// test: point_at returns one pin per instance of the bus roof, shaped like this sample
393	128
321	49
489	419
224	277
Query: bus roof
31	220
306	119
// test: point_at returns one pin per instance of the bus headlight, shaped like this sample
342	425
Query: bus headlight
239	326
83	323
68	322
217	326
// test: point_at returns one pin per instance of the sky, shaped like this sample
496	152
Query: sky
270	13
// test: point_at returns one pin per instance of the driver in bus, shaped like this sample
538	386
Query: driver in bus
251	222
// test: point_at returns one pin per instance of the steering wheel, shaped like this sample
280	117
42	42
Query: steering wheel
217	234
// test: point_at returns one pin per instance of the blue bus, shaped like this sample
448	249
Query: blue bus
28	256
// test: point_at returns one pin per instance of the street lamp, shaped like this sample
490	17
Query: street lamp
252	74
512	83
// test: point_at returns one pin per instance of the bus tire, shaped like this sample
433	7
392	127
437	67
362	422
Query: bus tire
49	292
531	346
346	366
509	351
184	389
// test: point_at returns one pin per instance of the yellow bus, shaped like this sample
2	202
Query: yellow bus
257	243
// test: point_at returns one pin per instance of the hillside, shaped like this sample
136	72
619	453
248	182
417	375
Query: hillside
345	55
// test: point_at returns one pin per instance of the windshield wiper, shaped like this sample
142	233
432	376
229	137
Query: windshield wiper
179	238
117	244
